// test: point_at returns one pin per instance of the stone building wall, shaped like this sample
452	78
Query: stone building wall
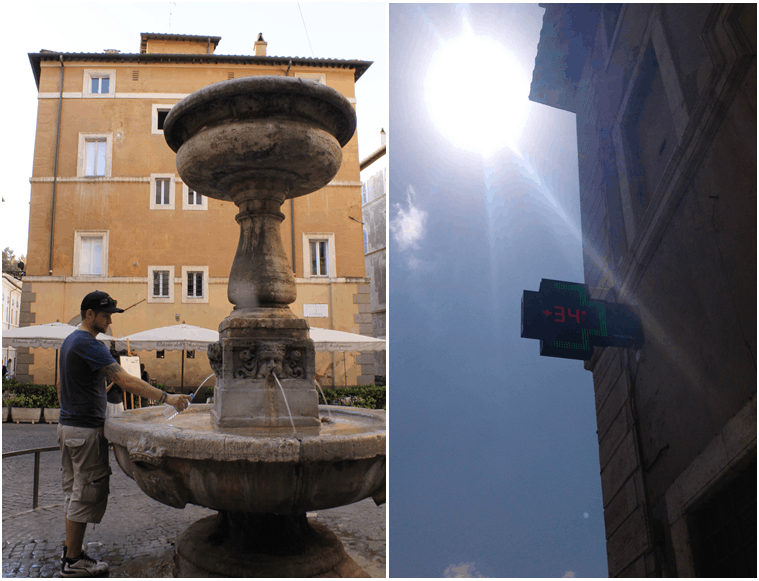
665	98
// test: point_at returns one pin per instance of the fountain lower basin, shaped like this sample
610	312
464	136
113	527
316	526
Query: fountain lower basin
252	470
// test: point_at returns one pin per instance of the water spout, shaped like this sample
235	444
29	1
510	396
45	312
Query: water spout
319	387
286	404
170	412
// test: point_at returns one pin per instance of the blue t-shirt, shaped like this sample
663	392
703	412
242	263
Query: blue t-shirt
83	396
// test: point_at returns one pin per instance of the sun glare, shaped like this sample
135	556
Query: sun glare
476	93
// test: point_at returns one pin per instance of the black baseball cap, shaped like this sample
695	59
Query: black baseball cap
100	301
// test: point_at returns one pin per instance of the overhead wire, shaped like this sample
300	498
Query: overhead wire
306	29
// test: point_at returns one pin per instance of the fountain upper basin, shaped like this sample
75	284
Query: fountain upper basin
277	133
252	469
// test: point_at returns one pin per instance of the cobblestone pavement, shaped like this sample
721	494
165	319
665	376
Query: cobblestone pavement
137	535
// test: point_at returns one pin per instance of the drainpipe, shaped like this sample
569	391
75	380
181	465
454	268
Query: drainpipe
292	232
287	73
55	170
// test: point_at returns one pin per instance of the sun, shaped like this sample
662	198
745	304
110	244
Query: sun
476	93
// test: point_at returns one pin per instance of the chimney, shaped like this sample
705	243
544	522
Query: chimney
260	45
383	137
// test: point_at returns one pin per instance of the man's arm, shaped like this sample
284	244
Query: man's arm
118	375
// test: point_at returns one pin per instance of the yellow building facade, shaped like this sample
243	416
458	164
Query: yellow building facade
109	212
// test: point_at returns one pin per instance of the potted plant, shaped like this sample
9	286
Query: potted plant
25	408
52	410
209	394
8	397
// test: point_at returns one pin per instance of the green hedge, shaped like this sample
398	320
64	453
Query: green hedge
29	395
362	396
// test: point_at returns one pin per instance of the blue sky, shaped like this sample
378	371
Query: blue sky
494	466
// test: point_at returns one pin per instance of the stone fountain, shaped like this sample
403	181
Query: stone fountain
261	454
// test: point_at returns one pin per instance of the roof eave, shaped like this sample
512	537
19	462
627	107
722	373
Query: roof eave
359	67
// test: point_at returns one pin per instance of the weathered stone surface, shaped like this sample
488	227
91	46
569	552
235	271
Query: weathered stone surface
620	466
187	460
627	542
286	129
196	556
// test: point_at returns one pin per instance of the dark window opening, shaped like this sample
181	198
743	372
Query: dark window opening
160	354
723	529
161	118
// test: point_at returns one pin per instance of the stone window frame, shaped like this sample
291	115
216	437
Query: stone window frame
172	282
307	237
185	271
728	450
172	188
193	207
87	77
154	116
318	77
608	47
656	38
77	266
81	160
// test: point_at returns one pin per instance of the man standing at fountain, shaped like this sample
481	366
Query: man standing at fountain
86	364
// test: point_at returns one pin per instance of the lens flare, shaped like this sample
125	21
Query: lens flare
476	93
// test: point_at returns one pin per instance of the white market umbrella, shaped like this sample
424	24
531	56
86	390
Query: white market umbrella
189	337
179	337
47	336
173	338
331	340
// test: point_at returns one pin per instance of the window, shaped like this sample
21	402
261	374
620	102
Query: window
160	111
723	529
90	253
162	188
319	255
319	258
195	283
92	250
161	191
161	284
99	83
94	156
192	200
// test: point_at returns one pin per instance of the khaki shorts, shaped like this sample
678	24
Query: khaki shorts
86	473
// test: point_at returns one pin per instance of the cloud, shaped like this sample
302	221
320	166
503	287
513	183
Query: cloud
462	570
409	223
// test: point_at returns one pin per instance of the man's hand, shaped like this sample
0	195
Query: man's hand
179	401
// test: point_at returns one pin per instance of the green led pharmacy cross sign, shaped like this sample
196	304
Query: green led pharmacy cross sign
569	324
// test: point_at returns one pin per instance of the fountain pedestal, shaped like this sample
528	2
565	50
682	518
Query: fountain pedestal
250	350
292	547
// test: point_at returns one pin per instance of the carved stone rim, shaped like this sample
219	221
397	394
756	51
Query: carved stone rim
331	110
